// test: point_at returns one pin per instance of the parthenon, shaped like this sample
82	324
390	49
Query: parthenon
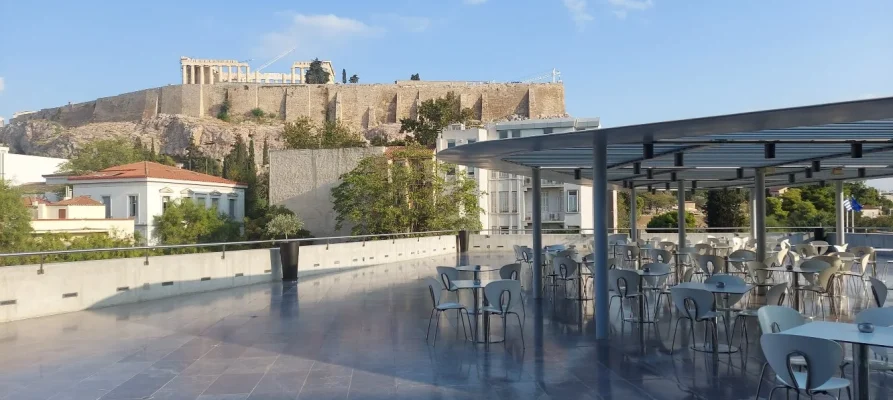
208	72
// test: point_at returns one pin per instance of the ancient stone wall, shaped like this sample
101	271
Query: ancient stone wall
359	106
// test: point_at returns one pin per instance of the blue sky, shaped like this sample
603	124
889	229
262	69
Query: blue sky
626	61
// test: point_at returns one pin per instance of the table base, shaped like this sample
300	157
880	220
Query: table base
640	321
708	348
493	339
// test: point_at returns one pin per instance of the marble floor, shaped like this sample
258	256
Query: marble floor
360	334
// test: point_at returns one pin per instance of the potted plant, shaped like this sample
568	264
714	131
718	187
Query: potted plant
285	225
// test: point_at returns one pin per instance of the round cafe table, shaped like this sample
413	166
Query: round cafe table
476	270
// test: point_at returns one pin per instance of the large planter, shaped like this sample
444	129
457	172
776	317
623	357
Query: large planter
462	241
288	254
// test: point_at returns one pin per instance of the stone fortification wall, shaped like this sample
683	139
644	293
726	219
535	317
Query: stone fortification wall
357	105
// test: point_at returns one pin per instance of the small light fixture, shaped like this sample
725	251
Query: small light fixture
677	159
856	149
667	186
578	174
861	172
739	173
673	176
649	173
648	150
791	178
769	150
694	185
809	173
816	166
637	168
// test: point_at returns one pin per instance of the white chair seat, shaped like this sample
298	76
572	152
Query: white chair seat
491	310
832	384
449	306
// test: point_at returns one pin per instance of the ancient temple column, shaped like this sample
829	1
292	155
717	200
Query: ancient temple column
201	74
193	72
184	74
292	75
229	73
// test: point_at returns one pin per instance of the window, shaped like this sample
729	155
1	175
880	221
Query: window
451	143
165	201
503	175
63	213
471	171
470	141
201	200
503	134
494	174
133	207
514	201
516	133
545	201
215	203
503	201
573	202
547	131
107	201
232	208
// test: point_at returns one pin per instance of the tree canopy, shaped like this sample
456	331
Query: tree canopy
413	193
186	222
284	225
670	220
433	116
414	77
15	218
814	205
343	75
101	154
354	79
316	74
725	209
305	134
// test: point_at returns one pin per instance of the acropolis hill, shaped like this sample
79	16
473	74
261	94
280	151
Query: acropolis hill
171	116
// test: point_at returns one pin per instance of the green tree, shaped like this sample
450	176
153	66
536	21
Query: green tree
304	134
284	225
724	209
433	116
15	218
187	222
256	228
668	221
316	74
101	154
354	78
413	193
266	155
414	77
658	201
623	208
196	160
343	75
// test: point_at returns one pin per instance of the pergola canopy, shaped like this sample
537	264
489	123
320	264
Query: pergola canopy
846	141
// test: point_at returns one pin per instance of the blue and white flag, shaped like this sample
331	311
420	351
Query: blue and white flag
855	206
848	205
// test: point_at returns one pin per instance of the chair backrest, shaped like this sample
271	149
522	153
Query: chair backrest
878	291
688	274
630	252
668	246
693	303
716	262
840	247
820	246
878	316
804	250
661	256
510	271
863	261
564	267
777	260
517	250
743	255
756	271
815	264
434	289
832	260
775	318
447	275
503	294
704	248
625	282
776	294
823	358
860	251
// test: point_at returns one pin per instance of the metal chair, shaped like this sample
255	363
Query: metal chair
823	286
859	274
820	246
631	254
860	251
711	265
564	270
878	317
822	359
447	275
774	297
513	272
668	246
434	289
626	285
737	259
502	297
695	305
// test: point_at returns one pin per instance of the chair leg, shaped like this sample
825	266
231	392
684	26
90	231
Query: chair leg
521	327
505	332
673	342
436	328
459	317
428	331
760	385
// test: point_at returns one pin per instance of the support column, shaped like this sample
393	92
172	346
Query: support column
537	216
760	212
293	75
300	75
633	211
229	73
201	74
680	212
185	79
753	212
192	74
839	212
600	235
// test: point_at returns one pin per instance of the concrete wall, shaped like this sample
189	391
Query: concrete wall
876	240
30	291
302	181
360	106
121	228
20	169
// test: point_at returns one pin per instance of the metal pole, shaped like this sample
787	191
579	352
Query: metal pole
760	212
680	213
753	213
600	235
537	234
633	233
839	212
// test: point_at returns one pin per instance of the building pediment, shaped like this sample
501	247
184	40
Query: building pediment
233	194
187	192
215	193
166	190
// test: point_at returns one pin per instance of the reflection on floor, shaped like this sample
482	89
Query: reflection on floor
360	335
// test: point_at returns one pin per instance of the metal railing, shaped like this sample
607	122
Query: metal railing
739	229
149	250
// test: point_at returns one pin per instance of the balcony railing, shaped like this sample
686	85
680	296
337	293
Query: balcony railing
548	216
545	183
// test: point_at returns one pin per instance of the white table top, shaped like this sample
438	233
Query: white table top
843	332
471	284
475	268
730	289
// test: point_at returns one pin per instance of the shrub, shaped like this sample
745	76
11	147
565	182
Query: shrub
257	112
669	220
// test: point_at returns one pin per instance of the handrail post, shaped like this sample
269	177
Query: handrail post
146	262
223	253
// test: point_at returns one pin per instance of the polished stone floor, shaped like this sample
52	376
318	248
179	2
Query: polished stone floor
359	334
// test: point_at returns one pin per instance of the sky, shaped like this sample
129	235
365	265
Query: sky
625	61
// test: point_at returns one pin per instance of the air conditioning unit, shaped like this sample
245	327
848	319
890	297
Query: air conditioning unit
456	127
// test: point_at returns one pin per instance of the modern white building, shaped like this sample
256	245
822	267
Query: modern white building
508	203
76	216
19	169
143	189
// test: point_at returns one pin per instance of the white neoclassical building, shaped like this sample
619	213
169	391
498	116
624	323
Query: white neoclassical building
143	189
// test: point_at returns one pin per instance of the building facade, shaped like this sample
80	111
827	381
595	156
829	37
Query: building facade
19	169
76	216
508	203
142	190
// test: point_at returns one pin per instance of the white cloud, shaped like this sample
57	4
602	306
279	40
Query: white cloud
622	7
2	84
404	22
579	13
474	2
315	35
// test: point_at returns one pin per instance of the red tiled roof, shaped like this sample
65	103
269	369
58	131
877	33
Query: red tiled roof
77	201
29	200
148	169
